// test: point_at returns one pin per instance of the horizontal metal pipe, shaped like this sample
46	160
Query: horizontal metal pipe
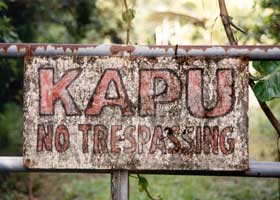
256	169
268	52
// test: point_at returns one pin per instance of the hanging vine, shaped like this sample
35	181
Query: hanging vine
143	186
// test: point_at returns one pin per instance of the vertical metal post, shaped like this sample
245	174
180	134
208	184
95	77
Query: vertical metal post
119	185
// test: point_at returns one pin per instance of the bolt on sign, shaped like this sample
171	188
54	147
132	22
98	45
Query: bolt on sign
136	113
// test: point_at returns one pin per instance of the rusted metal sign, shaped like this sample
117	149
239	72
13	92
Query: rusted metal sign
136	113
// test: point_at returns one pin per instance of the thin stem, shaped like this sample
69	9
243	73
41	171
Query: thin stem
254	78
128	34
130	175
125	5
212	28
128	24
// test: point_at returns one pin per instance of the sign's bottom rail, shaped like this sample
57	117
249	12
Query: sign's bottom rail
256	169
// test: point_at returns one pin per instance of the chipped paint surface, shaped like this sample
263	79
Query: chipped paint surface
253	52
136	113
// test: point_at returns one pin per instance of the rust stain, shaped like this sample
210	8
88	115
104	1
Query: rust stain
117	49
27	163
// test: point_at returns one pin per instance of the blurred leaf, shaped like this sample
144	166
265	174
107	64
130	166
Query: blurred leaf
268	25
268	87
184	18
189	5
266	67
142	183
11	124
128	15
3	5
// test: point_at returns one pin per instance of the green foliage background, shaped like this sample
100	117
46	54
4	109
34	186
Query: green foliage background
95	21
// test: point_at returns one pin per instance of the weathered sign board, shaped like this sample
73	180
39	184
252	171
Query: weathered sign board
136	113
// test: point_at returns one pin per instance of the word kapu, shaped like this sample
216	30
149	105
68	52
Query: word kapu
148	95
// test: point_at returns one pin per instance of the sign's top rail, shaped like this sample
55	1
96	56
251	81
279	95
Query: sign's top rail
267	52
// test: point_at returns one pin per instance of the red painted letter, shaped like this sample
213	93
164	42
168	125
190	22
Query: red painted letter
43	138
115	138
210	139
85	129
230	141
128	134
50	92
101	97
225	93
144	135
60	146
157	86
100	139
157	141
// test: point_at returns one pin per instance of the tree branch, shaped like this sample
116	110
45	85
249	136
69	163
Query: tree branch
236	27
125	5
227	26
227	22
267	112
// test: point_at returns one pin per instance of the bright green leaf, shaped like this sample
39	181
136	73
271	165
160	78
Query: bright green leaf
266	67
142	183
128	15
268	87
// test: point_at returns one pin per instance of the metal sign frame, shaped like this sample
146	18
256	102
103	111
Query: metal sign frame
119	178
